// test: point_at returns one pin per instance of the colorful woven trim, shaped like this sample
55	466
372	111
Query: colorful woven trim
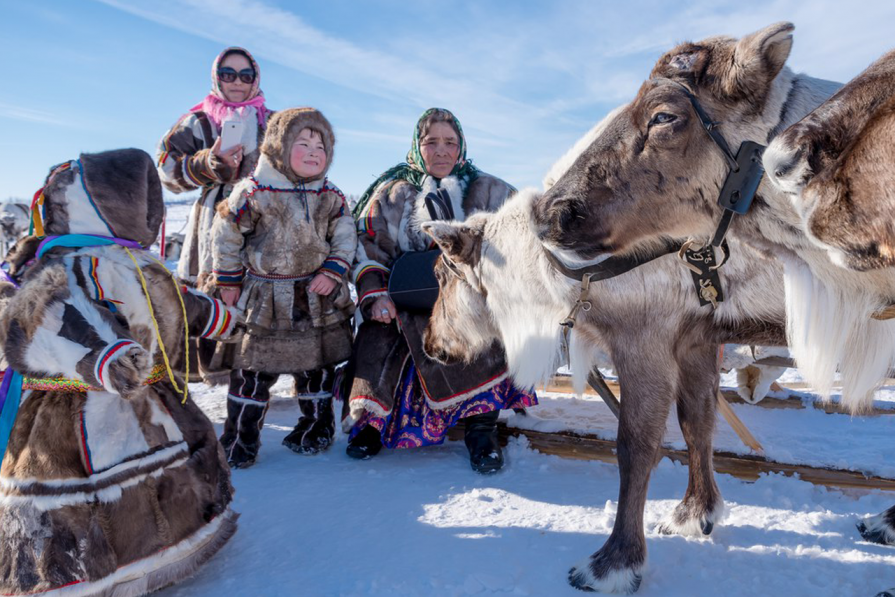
109	355
188	172
372	293
335	265
277	277
326	188
242	209
371	266
51	384
98	293
38	212
229	277
218	319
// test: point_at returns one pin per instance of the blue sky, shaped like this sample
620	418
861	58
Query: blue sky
525	78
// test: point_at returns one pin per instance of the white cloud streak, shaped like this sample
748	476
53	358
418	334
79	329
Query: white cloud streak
527	79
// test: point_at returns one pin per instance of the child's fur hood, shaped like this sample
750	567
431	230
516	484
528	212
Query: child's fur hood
284	127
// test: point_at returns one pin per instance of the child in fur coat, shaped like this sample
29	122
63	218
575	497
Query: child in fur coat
282	245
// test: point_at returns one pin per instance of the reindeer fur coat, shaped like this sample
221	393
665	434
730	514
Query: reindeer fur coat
117	489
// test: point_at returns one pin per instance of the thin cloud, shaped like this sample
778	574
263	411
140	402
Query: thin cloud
12	112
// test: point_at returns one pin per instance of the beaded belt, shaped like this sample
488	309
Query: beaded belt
276	277
65	384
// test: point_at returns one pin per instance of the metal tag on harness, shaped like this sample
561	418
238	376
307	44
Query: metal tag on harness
707	281
741	184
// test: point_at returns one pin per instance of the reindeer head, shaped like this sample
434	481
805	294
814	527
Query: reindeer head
460	326
837	164
653	171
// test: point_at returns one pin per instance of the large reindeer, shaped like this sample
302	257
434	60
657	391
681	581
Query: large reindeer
655	172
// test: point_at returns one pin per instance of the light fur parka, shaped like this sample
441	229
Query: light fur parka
271	237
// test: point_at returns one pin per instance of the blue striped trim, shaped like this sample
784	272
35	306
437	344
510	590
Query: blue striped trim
90	198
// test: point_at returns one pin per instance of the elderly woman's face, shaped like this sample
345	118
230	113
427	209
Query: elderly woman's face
440	149
238	90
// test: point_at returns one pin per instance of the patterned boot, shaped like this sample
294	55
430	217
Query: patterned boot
315	429
246	406
317	425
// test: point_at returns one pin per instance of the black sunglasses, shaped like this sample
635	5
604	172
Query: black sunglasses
228	75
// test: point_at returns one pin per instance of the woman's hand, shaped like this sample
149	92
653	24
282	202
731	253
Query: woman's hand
383	310
232	157
230	295
322	285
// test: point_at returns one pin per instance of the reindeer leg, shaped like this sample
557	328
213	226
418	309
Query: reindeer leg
646	378
702	505
879	528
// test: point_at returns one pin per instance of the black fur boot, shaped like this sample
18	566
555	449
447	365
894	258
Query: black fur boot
246	406
485	454
366	444
315	429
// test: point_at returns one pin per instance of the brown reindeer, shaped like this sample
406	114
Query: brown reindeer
497	283
654	173
838	165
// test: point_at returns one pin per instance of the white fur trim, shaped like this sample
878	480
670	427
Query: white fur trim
50	352
443	404
108	494
411	236
140	577
113	430
163	419
249	401
314	396
356	409
82	216
267	175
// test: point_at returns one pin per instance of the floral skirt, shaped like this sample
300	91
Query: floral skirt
413	423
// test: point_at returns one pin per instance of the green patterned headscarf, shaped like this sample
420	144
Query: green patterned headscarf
414	169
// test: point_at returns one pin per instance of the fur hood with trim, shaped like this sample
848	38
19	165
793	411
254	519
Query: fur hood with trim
282	130
112	193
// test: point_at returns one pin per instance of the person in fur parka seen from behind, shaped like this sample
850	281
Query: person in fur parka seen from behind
112	480
282	245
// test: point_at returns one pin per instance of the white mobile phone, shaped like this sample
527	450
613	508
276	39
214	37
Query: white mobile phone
231	133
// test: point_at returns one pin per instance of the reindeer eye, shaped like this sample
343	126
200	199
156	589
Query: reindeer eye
662	118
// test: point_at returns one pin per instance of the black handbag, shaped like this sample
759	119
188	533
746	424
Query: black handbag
412	285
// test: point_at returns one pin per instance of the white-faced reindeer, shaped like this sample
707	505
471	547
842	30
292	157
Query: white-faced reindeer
655	173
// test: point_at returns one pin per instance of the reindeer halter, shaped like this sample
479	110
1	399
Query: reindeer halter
736	197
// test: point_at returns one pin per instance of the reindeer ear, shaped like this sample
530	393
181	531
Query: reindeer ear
758	58
460	242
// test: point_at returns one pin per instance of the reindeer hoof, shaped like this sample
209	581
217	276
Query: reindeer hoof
686	521
585	577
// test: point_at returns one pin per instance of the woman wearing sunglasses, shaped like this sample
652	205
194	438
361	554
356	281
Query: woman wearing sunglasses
191	156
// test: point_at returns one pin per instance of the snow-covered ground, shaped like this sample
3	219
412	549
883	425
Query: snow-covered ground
420	522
